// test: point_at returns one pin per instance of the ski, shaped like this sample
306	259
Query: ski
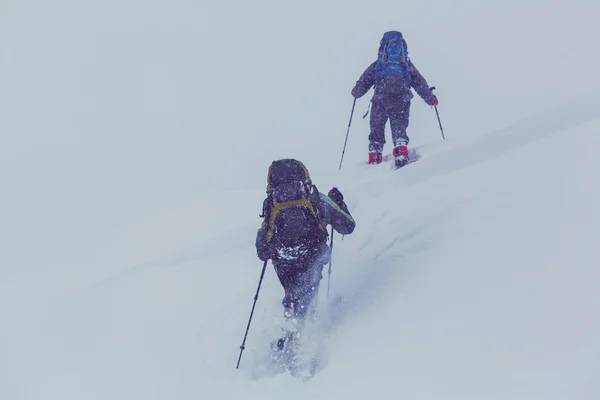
400	164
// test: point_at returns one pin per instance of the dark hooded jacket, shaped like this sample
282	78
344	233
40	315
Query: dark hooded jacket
393	87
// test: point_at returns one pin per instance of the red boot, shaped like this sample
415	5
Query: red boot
375	157
400	155
400	151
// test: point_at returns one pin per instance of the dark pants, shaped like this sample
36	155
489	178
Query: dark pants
301	286
397	111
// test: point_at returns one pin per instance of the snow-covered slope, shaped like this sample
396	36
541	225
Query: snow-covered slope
472	274
133	157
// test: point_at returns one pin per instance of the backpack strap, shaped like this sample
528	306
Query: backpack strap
271	208
292	203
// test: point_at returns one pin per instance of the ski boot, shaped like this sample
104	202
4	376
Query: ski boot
400	155
375	157
290	329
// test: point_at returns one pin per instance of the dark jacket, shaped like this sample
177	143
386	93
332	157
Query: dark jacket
393	86
329	212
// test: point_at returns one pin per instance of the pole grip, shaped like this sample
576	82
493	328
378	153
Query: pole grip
438	116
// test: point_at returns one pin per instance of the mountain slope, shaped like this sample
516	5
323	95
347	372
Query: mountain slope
472	274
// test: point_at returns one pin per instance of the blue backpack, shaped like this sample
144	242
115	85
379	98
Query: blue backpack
392	57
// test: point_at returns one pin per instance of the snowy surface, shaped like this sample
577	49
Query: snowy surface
134	145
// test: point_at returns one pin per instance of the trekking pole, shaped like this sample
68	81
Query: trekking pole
438	116
330	257
346	141
243	346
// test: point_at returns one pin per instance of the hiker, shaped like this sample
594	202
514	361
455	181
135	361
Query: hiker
294	233
393	74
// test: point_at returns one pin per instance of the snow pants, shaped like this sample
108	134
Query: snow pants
301	286
397	111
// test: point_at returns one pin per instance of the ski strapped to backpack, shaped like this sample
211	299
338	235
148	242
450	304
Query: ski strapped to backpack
392	57
289	190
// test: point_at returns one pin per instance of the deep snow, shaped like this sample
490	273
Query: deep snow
464	279
134	164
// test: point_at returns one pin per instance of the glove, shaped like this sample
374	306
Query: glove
434	102
337	197
352	93
265	253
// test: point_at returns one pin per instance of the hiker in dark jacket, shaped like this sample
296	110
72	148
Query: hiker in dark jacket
293	234
393	74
